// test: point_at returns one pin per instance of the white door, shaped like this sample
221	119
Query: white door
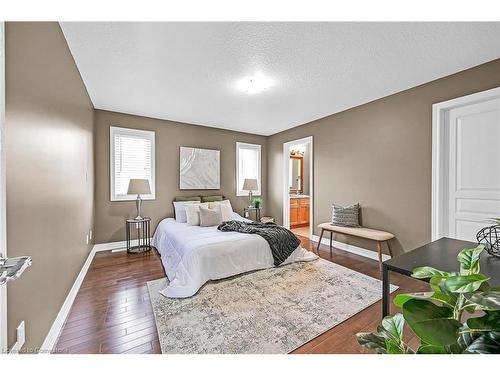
472	168
3	249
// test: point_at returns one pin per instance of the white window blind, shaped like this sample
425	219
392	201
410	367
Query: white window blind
131	156
248	165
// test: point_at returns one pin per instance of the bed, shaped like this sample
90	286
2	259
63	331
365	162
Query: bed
193	255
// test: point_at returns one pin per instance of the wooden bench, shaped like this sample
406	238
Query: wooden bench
371	234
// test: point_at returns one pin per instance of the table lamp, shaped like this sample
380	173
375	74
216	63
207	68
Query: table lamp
251	185
138	186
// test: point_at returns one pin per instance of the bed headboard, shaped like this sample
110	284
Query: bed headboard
201	198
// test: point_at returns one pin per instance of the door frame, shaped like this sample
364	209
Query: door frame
3	236
286	177
439	154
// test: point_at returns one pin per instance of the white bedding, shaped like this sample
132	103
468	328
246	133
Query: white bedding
193	255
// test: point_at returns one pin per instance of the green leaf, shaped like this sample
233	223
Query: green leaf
372	341
428	272
486	300
394	325
437	284
393	347
477	327
466	336
455	348
469	260
486	344
488	322
432	349
448	299
465	284
471	308
400	299
433	324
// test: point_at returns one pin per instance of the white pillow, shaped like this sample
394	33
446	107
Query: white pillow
193	213
225	208
226	202
180	210
226	212
210	217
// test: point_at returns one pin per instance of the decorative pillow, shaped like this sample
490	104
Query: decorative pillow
210	218
226	202
226	212
211	198
345	216
225	208
180	210
193	213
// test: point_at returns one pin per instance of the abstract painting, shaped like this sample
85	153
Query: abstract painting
199	169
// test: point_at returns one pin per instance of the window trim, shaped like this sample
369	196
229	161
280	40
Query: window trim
244	193
114	130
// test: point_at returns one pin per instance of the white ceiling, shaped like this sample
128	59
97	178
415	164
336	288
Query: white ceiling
188	72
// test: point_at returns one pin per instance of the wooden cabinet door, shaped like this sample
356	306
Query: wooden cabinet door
304	214
299	212
294	215
294	211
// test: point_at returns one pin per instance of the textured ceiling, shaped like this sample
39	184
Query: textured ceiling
188	71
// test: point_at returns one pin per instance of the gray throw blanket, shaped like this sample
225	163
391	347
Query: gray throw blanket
281	241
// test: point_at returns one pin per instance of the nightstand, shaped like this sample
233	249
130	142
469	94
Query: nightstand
247	210
143	227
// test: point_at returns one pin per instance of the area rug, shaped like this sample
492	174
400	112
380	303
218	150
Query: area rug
269	311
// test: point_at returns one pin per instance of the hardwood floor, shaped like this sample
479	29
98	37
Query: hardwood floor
112	312
301	231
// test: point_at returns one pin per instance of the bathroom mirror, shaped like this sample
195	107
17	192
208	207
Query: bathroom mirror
296	174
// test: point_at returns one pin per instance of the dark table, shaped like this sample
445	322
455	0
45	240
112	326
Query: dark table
143	227
440	254
246	212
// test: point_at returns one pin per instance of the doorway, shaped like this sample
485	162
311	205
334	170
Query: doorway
465	170
298	182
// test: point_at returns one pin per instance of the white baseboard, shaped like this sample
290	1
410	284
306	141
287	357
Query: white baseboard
351	248
55	329
114	246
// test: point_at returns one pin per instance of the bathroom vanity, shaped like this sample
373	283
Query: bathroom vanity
299	210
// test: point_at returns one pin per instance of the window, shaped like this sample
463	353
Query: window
247	166
132	155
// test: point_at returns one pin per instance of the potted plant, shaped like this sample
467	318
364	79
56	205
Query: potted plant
461	314
257	202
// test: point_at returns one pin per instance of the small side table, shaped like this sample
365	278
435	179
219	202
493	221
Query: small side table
143	227
246	212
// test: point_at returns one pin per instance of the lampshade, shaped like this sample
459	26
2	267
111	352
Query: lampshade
138	186
250	184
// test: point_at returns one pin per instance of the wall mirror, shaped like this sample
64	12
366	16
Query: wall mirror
296	174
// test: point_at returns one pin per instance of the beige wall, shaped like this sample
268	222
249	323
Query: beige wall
378	154
169	136
49	147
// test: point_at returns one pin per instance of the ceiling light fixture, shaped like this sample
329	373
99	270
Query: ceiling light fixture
254	84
